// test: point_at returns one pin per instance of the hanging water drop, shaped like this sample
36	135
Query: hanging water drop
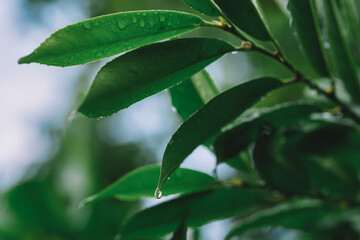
174	109
144	14
158	193
72	116
87	25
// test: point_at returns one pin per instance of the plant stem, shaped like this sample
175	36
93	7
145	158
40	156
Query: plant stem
278	56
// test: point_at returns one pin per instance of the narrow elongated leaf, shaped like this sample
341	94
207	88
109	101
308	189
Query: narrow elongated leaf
345	13
338	60
304	27
330	158
191	95
303	215
245	16
142	183
198	209
148	70
180	233
279	173
210	119
236	139
203	6
108	35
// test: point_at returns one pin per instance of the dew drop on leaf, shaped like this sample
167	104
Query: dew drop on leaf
122	25
87	25
142	23
162	18
158	193
134	19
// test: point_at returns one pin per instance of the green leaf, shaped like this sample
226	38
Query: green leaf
346	17
236	139
142	183
245	16
108	35
204	6
148	70
330	157
304	215
180	233
38	206
338	60
279	173
198	209
190	95
210	119
304	27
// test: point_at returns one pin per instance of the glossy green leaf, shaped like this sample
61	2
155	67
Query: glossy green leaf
142	183
346	17
304	215
330	157
204	6
148	70
278	173
108	35
338	60
304	28
198	209
210	119
236	139
180	233
245	16
192	94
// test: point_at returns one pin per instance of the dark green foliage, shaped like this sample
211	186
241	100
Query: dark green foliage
148	70
298	163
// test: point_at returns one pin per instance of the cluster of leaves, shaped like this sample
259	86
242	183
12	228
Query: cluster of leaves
299	160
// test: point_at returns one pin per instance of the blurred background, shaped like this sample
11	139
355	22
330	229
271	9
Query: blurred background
52	158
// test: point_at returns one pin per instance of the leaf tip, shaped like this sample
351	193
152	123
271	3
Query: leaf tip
87	201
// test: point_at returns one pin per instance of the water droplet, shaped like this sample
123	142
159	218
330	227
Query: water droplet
174	109
151	22
162	18
72	115
122	25
134	19
142	23
87	25
158	193
327	45
169	23
144	14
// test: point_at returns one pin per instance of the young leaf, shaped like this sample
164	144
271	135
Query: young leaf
148	70
245	16
142	183
108	35
338	60
210	119
302	215
204	6
304	27
192	94
198	209
236	139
